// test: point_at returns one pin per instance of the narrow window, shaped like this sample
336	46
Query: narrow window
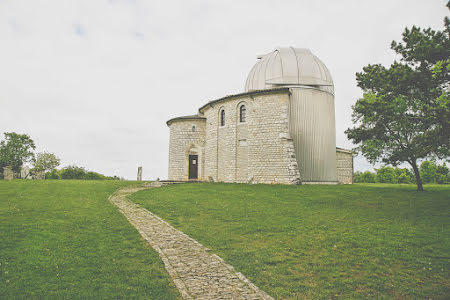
193	128
242	112
222	118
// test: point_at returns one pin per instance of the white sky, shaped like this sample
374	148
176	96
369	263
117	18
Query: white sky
95	81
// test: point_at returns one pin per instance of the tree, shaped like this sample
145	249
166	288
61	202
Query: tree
368	177
72	172
15	150
54	174
385	175
404	114
46	161
442	174
428	171
93	176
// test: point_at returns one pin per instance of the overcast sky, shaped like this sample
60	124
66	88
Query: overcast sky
95	81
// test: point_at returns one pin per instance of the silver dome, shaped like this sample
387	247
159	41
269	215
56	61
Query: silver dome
289	67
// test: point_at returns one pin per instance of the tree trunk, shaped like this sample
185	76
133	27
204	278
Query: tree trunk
417	174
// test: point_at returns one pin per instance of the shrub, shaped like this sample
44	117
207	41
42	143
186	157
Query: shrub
54	174
72	172
442	174
385	175
93	176
428	171
367	177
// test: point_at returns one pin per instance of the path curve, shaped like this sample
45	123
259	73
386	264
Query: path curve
197	273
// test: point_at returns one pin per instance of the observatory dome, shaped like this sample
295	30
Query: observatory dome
289	67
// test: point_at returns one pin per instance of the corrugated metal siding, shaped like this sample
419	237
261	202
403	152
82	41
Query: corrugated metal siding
312	127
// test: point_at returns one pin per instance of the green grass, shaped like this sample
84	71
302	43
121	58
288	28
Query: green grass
63	240
346	241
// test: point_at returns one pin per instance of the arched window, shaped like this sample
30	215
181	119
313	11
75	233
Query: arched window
193	128
242	112
222	118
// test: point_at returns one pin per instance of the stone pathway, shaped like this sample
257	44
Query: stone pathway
197	273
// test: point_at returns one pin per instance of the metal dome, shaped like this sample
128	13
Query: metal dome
289	67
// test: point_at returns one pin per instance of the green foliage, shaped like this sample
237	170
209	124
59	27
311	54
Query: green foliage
433	173
15	150
404	114
46	161
93	176
53	174
62	239
72	172
442	174
75	172
361	241
386	175
366	177
428	171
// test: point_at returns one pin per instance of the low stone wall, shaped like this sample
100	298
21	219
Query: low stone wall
344	164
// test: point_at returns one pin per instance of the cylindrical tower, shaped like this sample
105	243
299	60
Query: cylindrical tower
186	147
311	116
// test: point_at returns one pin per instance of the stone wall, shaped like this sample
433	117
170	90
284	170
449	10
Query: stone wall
259	150
187	136
344	164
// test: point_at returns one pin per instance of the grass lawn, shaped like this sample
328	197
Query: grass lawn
63	239
315	241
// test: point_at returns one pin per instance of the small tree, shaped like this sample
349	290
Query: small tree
428	171
385	175
404	114
368	177
54	174
93	176
442	174
15	150
72	172
46	161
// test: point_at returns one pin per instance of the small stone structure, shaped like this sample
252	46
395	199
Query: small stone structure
25	172
139	174
38	175
344	164
8	173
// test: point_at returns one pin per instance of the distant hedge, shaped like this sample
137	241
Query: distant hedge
430	172
75	172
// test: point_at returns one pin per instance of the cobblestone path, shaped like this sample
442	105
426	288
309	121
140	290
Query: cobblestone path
197	273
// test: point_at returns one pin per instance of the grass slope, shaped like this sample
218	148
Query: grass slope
346	241
63	239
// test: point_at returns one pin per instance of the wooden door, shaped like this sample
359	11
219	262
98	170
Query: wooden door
193	166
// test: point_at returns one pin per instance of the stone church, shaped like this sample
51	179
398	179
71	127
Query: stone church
281	129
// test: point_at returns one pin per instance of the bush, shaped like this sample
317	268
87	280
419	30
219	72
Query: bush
72	172
54	174
385	175
403	175
428	171
93	176
366	177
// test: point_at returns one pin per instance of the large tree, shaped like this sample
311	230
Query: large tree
15	150
404	114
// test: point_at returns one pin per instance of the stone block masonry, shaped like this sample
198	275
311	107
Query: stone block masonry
187	137
258	150
344	164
